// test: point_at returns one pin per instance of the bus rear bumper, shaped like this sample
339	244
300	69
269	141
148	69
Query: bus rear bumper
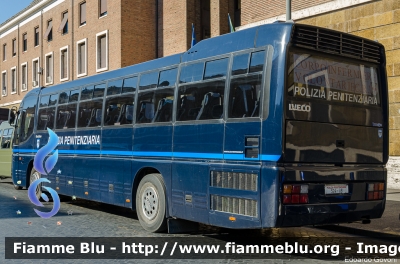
320	214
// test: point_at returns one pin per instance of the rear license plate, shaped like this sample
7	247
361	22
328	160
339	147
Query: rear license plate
336	188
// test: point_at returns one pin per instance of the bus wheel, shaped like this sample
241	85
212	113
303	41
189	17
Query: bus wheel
35	175
150	203
16	187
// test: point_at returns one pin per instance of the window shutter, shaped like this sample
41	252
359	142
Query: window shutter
50	26
65	64
103	52
83	13
63	22
103	6
51	66
82	63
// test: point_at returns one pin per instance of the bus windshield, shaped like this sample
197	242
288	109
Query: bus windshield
321	78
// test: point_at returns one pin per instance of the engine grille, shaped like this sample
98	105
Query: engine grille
234	180
336	43
234	205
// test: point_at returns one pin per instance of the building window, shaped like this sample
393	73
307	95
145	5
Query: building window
103	7
13	80
64	63
35	72
4	83
102	51
36	36
14	47
64	24
49	32
81	57
24	42
4	51
24	76
49	68
82	15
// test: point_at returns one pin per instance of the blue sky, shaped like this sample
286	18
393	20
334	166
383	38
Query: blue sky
11	7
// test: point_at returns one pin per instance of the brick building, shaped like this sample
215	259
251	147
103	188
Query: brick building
91	36
53	41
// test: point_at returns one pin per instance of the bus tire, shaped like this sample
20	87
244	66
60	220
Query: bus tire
34	176
150	203
16	187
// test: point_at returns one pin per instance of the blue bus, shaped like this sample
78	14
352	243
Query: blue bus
278	125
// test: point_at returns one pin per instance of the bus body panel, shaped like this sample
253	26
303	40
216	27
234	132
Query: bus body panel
116	163
23	152
333	143
189	197
228	172
270	193
332	208
153	141
232	194
226	43
164	167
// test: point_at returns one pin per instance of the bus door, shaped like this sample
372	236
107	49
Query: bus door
198	136
24	145
86	179
234	185
116	142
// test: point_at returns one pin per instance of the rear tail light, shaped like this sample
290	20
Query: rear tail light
375	191
303	198
295	194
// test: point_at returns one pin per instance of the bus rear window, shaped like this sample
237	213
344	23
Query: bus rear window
315	77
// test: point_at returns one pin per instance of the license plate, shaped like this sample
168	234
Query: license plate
336	188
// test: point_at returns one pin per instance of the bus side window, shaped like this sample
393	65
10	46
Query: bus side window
164	101
155	105
1	134
27	119
119	110
46	113
46	118
90	113
203	100
246	85
244	96
257	61
66	110
6	139
66	115
28	126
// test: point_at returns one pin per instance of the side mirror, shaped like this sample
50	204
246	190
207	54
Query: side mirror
12	114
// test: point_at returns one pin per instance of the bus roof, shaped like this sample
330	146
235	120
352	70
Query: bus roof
249	38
